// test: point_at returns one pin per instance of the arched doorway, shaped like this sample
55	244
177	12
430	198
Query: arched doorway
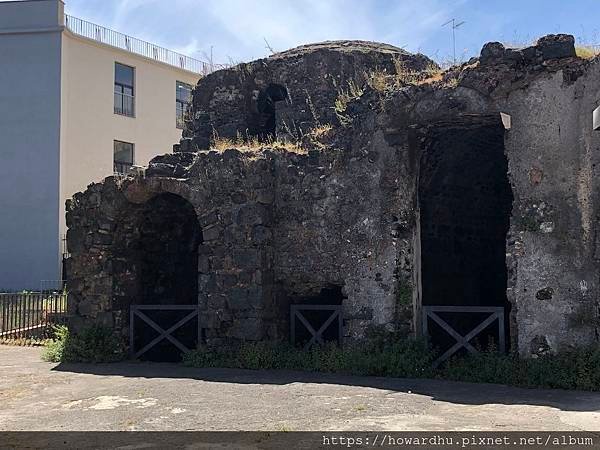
465	202
168	235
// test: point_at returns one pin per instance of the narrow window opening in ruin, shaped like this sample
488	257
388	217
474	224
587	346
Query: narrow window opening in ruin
267	100
330	296
465	202
168	236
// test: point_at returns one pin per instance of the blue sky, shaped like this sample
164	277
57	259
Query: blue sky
236	29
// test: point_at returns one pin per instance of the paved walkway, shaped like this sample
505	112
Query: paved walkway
36	395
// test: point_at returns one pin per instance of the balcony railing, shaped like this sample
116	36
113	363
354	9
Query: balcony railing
121	167
115	39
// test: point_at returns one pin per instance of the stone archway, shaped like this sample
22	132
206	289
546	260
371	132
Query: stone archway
168	239
465	202
164	258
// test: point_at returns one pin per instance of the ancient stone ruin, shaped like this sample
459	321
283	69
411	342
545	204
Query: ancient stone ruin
376	187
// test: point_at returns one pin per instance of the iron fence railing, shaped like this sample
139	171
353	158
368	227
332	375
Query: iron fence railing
119	40
31	314
53	286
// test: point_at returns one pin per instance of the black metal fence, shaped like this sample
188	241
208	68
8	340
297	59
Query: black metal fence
31	314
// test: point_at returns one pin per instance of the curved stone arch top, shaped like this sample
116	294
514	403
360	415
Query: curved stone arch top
140	190
448	105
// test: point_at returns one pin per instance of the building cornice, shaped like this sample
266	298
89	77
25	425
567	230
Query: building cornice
57	29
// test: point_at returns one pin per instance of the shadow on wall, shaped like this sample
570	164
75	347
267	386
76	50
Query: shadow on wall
446	391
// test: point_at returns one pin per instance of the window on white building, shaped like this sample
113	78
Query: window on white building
183	100
124	90
123	156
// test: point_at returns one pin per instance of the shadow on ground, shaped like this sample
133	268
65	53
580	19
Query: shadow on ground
447	391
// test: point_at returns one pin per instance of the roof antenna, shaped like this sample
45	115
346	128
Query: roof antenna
454	27
268	46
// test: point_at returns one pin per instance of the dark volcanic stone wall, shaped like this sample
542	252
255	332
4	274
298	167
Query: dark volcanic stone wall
275	226
341	221
227	102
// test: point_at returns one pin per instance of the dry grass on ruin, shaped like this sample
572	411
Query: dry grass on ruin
587	52
252	144
321	130
345	96
380	80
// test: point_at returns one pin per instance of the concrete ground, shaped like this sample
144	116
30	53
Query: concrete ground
36	395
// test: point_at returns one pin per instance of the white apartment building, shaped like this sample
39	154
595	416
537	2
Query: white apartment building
78	102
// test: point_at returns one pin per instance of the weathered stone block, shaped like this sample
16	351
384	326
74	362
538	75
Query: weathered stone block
85	307
238	298
491	51
206	282
217	302
209	320
255	297
226	280
203	264
105	319
555	46
211	233
247	329
246	258
203	300
250	214
261	234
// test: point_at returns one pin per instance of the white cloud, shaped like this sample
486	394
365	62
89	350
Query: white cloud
286	24
237	28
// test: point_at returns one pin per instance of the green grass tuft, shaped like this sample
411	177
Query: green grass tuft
401	358
381	354
96	344
410	358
